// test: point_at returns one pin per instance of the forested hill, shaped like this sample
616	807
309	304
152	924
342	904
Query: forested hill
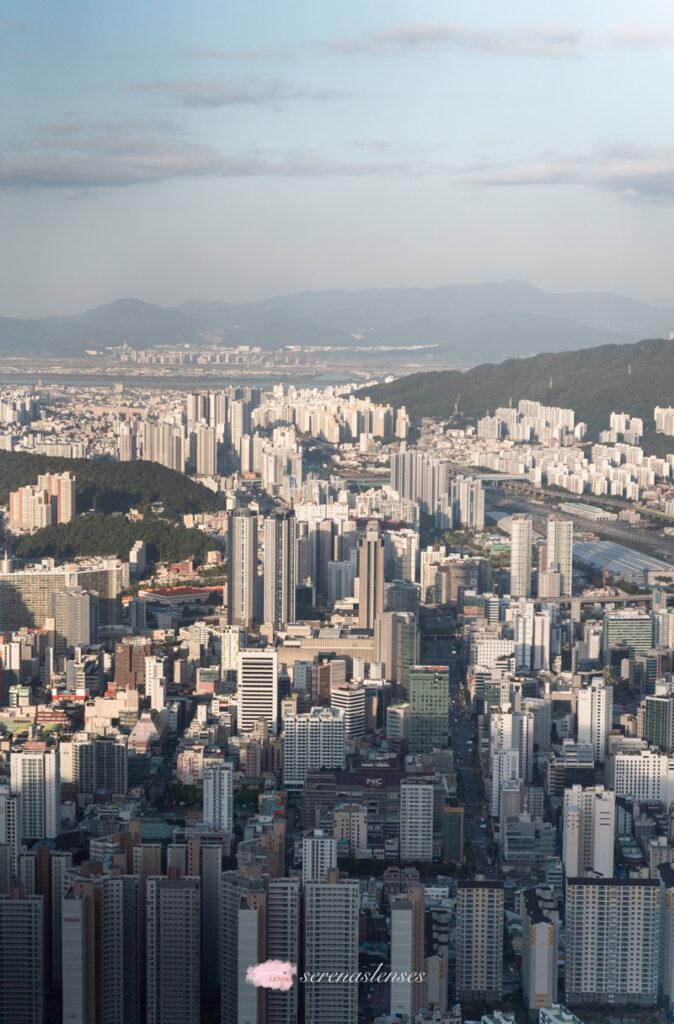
108	486
594	382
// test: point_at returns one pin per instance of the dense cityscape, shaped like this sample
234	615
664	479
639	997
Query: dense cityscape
366	699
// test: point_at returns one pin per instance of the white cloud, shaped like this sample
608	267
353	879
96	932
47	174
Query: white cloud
424	36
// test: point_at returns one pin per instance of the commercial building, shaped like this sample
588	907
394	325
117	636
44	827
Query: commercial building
428	693
258	689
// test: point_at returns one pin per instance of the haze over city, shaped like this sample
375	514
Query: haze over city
170	151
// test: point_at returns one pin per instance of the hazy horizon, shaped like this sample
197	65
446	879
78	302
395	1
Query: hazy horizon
171	152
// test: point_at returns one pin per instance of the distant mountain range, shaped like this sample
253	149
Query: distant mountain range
622	378
468	323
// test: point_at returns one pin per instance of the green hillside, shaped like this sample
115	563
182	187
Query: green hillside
594	382
115	535
111	486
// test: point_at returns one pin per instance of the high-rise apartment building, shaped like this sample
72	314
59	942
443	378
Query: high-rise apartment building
258	689
416	820
312	741
428	695
520	556
588	836
36	780
595	716
207	450
319	855
10	827
241	567
22	963
612	941
280	568
331	945
371	553
173	950
95	763
218	796
560	552
407	952
479	941
75	617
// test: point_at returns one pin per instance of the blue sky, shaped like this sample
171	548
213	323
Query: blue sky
234	151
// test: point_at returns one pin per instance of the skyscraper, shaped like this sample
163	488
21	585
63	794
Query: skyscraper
258	688
612	941
22	958
589	826
520	556
75	617
595	716
218	796
428	694
207	450
416	820
407	951
479	941
540	947
331	945
36	780
280	568
560	551
370	576
173	949
241	567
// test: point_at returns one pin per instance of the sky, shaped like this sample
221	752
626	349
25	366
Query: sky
235	151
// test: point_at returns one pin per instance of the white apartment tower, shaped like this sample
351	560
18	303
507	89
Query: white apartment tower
319	855
416	820
241	567
589	825
520	556
595	716
36	780
310	742
218	796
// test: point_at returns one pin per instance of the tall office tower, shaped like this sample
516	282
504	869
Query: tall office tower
520	556
22	958
612	941
312	741
589	831
396	645
218	796
452	834
319	855
407	952
370	576
658	729
322	536
540	947
632	628
560	551
173	949
101	973
479	941
350	698
416	820
36	780
595	716
94	763
331	945
207	450
428	694
258	689
514	730
10	826
280	568
75	617
241	567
